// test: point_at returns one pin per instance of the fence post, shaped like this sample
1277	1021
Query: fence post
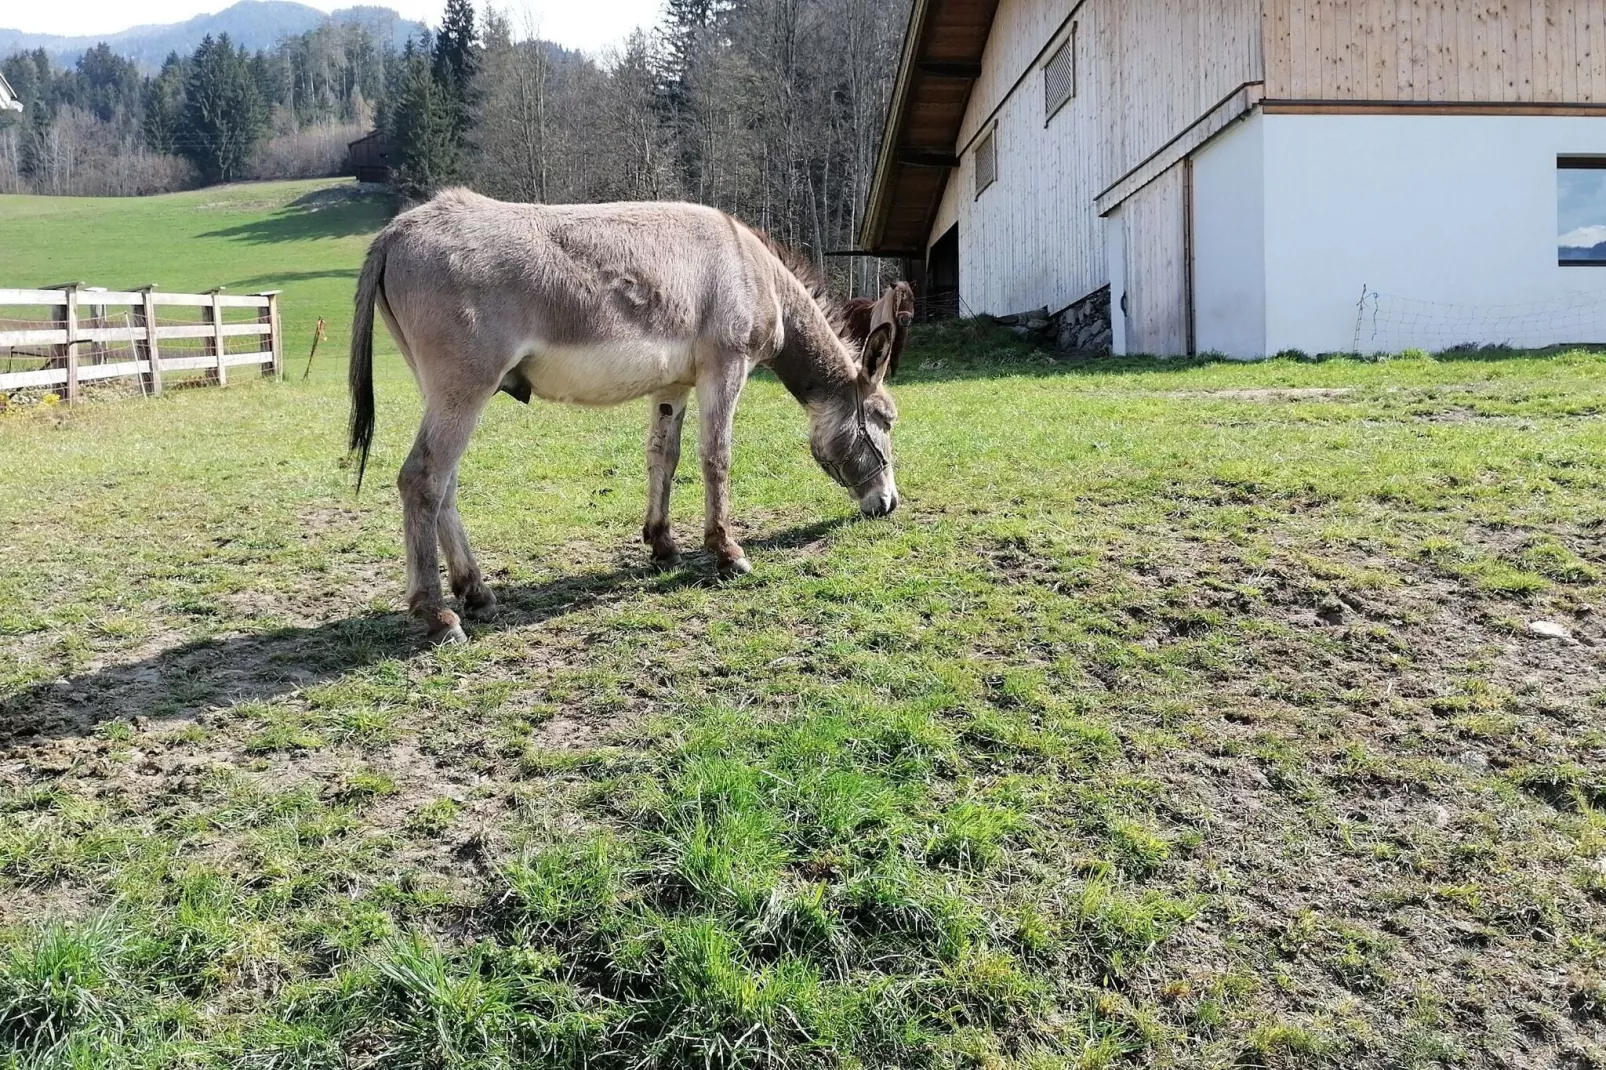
97	318
149	350
270	316
70	314
215	347
65	355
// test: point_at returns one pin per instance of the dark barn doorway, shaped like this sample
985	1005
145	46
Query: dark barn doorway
942	277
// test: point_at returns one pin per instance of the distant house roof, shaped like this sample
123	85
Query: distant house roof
9	101
941	61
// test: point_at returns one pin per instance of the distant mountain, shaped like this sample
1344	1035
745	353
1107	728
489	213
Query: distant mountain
1575	254
252	23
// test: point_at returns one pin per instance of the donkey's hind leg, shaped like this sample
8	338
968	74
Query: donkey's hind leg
425	479
468	582
663	456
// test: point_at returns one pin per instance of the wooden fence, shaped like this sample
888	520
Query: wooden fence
75	335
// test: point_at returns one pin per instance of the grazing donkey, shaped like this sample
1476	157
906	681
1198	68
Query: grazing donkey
597	305
859	315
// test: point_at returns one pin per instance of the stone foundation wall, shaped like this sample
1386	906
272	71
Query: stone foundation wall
1082	328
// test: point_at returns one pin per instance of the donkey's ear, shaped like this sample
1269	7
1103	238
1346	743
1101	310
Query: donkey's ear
877	357
878	347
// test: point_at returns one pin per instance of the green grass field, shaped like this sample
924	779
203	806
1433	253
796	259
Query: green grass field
1187	715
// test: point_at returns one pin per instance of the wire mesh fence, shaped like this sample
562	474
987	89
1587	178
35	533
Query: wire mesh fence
1390	323
939	306
50	361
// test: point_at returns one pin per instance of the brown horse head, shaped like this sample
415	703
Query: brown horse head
904	294
859	312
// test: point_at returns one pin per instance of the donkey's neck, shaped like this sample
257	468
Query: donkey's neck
812	362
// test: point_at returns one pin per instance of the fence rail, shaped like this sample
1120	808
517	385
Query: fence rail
74	335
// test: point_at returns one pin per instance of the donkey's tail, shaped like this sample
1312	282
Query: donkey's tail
360	374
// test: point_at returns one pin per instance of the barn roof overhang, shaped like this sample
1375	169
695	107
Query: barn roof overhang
9	101
942	53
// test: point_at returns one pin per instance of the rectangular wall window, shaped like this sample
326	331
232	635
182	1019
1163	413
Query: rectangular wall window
1581	211
1059	77
987	161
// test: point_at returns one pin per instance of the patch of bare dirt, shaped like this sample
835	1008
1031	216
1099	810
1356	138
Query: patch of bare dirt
1270	393
304	634
1360	782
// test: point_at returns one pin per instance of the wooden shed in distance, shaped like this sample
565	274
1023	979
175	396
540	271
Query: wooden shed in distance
370	158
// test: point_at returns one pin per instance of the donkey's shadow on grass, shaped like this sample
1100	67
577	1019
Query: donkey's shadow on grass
187	680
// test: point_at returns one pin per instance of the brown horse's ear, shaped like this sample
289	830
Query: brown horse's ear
878	347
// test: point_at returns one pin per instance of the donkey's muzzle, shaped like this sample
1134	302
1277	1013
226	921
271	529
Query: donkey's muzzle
878	505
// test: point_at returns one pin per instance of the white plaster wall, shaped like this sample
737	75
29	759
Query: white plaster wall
1418	208
1229	242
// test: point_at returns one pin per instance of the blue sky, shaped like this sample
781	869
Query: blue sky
1581	207
592	26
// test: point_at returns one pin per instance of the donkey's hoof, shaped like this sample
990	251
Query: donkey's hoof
729	570
451	636
446	630
480	606
665	562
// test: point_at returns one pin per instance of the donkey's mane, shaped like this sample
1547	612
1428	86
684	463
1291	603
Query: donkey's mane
809	277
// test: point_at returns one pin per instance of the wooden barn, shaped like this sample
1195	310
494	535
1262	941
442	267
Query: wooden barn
1254	176
369	158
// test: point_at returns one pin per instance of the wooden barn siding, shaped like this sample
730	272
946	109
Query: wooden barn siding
1032	239
1020	30
1165	63
1156	266
1489	51
1146	70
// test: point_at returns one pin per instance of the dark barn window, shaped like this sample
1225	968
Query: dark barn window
987	161
1059	77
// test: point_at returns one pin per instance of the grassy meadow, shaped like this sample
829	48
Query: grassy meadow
1187	715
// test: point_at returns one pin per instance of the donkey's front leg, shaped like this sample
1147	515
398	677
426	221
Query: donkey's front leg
718	387
663	455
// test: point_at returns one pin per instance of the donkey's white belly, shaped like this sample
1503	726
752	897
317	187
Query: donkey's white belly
609	373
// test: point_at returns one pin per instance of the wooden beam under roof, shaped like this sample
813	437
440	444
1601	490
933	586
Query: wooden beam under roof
940	64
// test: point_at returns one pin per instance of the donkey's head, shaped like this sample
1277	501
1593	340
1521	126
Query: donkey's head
850	431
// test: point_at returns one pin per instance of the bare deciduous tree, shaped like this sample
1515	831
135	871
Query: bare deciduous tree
509	135
769	109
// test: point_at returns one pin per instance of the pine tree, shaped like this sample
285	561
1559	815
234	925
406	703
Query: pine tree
224	115
108	84
164	106
686	25
456	58
35	141
420	127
